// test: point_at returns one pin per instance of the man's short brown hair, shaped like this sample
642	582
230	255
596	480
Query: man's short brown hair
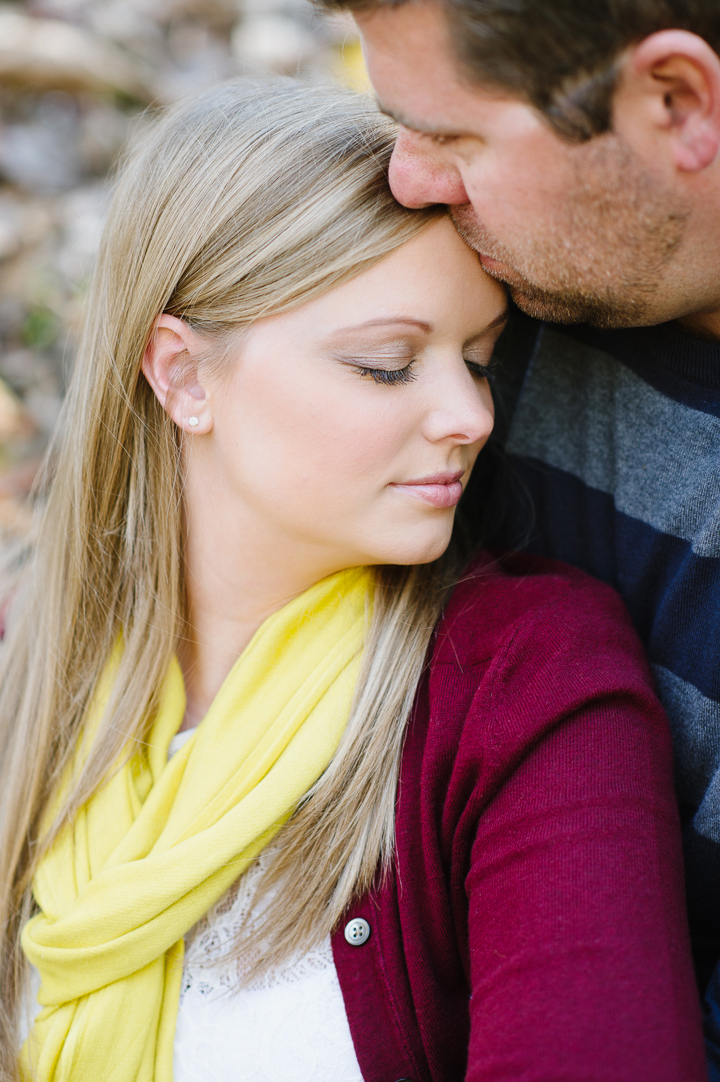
560	55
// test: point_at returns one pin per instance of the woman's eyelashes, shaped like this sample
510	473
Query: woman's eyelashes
482	369
389	376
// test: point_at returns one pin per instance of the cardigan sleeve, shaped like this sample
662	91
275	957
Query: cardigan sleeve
578	948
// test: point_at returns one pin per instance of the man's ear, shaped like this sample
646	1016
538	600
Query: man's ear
171	365
671	80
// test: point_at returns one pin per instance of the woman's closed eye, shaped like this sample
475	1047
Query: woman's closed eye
485	369
481	369
389	376
390	370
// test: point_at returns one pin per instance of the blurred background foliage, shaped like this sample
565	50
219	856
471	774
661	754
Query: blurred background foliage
73	76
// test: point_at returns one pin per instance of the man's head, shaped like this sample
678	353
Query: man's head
577	143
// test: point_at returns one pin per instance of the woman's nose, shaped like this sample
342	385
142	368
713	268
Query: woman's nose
461	415
419	175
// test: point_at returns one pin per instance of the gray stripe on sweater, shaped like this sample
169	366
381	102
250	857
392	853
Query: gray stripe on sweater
706	819
695	724
583	412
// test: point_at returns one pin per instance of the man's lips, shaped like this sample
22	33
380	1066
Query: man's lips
478	237
492	264
439	489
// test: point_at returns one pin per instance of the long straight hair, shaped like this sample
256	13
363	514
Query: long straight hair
246	201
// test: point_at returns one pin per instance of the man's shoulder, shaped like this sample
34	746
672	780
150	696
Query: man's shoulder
678	367
632	415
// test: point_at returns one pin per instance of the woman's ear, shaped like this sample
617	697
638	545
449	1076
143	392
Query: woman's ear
171	365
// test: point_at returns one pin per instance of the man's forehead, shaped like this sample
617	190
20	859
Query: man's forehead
416	77
401	51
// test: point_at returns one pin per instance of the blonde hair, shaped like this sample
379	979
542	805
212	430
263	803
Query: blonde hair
250	199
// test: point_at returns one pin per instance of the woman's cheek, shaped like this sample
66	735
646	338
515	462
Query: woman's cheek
320	444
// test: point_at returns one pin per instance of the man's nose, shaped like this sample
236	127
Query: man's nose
419	175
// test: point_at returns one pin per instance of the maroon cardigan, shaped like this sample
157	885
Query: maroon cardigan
532	928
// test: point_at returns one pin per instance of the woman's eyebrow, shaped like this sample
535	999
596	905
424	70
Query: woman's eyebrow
497	322
390	321
502	318
421	324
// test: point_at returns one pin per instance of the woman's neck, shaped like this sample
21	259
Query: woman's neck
210	647
225	609
232	587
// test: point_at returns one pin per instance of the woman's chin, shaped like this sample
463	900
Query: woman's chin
414	550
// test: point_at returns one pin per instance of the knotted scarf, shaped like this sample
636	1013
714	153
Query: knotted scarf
162	841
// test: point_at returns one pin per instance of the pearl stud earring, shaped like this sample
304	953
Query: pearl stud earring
193	422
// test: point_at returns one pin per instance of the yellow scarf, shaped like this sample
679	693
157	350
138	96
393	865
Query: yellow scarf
162	841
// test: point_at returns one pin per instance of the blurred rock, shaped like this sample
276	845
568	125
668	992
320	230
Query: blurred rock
102	135
43	155
81	214
43	405
50	54
15	421
198	59
275	42
11	227
23	368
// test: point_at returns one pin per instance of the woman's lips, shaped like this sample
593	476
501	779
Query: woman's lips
440	490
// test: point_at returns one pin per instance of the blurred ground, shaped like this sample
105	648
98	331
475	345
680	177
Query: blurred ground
73	74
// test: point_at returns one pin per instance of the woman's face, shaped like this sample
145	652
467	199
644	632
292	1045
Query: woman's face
349	426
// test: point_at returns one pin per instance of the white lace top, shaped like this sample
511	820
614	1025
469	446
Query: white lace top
289	1026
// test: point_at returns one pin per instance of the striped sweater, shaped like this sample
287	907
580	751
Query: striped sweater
613	440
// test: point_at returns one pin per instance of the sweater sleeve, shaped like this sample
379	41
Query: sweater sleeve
579	955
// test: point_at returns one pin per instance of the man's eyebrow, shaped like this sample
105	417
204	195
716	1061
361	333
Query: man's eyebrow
416	126
389	321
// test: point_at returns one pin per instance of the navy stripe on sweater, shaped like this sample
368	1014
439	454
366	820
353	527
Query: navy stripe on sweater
672	593
681	367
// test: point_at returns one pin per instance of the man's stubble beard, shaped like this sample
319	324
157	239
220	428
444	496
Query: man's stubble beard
603	258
